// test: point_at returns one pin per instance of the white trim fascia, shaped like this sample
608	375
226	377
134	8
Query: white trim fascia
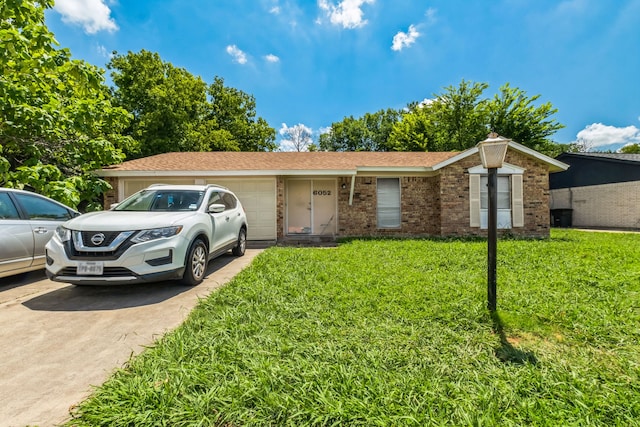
456	158
554	165
398	169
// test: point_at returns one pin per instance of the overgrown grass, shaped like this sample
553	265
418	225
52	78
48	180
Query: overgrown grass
396	333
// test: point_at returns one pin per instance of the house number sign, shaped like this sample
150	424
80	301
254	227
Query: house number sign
321	192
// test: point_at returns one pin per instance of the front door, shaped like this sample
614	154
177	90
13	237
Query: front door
311	206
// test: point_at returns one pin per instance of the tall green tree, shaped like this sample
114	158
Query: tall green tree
631	149
460	116
57	123
513	114
367	133
454	120
176	111
235	111
416	131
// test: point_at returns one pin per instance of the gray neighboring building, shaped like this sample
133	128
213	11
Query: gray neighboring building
599	190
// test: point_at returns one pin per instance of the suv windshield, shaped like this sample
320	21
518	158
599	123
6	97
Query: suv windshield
162	200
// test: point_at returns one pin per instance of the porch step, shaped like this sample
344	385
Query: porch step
307	241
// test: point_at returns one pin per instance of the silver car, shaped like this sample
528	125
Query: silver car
27	222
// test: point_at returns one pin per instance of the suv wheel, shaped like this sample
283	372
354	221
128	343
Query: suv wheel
241	246
196	265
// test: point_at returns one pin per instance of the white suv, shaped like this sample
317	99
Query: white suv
163	232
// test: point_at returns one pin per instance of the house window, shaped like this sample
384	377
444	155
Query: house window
510	197
388	202
504	202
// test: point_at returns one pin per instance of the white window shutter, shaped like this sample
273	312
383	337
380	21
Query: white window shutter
517	202
474	200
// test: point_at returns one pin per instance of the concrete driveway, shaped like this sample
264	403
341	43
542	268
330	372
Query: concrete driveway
57	341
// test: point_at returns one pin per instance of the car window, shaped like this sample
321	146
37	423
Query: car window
229	201
215	197
39	208
162	200
138	202
7	208
188	200
176	200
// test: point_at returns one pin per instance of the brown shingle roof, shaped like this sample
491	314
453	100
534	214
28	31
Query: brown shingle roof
280	161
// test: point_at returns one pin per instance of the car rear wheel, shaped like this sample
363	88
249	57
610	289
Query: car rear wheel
241	246
196	265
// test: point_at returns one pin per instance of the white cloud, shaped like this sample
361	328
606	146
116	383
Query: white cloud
271	58
275	10
597	135
92	15
347	13
102	51
402	40
239	56
431	15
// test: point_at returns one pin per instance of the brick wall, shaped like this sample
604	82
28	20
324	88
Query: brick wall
111	196
535	183
419	199
454	199
608	205
454	194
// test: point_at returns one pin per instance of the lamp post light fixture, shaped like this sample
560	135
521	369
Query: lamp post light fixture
492	153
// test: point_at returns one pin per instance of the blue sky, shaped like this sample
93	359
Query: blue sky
313	62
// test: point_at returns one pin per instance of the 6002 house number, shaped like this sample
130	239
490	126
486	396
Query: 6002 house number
321	192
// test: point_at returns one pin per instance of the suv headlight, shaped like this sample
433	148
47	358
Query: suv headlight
63	234
156	233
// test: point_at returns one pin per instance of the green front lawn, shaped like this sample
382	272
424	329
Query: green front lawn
396	333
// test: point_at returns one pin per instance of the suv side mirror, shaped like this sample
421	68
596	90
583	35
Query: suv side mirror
216	208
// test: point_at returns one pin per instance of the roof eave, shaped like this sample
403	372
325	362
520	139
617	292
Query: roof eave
392	169
553	164
199	173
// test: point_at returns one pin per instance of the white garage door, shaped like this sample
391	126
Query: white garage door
258	197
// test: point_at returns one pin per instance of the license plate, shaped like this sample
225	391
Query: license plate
90	268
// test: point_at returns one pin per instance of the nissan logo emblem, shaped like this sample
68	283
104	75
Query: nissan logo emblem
97	239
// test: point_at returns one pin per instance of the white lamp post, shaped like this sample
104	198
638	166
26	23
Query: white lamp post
492	152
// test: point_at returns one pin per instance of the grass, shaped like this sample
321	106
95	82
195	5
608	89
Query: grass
396	333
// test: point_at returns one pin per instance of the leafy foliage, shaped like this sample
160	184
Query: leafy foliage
368	133
631	149
57	121
455	120
176	111
512	113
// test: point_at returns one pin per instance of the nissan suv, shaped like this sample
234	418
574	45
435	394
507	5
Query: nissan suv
164	232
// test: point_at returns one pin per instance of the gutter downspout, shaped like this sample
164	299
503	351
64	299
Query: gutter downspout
353	186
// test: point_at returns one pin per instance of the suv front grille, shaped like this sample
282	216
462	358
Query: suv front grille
120	240
109	236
